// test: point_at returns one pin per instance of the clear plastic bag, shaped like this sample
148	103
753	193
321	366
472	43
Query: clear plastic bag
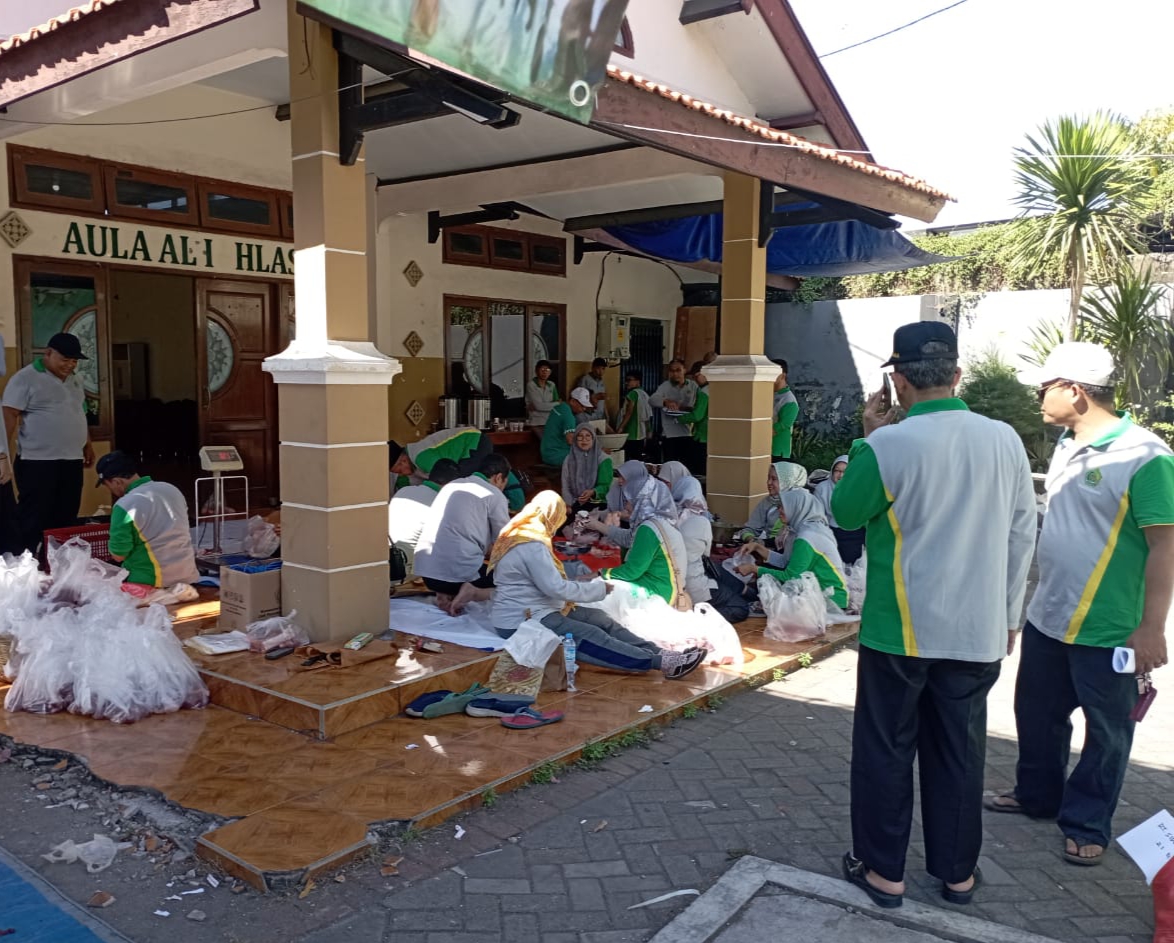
85	646
261	538
795	610
731	563
97	854
278	632
653	619
857	577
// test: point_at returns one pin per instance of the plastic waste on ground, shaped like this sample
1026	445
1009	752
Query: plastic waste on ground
795	610
653	619
278	632
97	854
81	644
261	538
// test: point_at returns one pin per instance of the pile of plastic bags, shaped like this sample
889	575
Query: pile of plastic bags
653	619
81	644
795	610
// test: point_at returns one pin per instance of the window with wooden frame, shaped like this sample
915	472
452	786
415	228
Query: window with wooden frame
492	347
239	209
151	195
58	181
492	247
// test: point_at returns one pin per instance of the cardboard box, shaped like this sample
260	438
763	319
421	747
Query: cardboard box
246	597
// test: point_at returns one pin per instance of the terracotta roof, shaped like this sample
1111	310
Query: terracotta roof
71	16
774	136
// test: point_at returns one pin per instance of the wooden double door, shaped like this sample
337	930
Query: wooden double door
237	324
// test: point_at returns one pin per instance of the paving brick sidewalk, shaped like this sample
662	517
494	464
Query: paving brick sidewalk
765	774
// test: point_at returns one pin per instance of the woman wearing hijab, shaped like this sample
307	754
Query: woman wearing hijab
782	477
849	542
587	472
656	559
812	551
531	583
672	472
694	523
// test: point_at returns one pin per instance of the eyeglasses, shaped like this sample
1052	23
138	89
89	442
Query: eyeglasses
1047	387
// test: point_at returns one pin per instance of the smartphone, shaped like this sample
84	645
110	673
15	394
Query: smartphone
886	392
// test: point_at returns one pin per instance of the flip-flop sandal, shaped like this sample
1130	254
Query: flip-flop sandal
993	804
1074	857
951	896
855	873
528	717
454	703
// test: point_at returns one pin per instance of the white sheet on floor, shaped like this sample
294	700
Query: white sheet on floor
472	628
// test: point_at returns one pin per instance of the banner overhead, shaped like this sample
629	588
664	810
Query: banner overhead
551	53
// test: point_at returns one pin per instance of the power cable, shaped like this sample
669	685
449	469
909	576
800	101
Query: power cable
872	39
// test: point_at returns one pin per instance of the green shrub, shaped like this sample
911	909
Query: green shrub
991	388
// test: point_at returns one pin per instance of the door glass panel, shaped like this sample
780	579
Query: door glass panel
150	196
466	350
69	303
56	181
546	343
508	357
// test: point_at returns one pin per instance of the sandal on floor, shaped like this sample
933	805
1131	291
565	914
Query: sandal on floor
1074	857
527	717
454	703
498	705
855	873
993	804
951	896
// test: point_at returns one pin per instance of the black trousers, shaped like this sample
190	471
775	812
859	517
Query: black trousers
678	449
50	494
934	710
634	450
10	536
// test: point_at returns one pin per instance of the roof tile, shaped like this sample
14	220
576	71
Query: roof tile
70	16
773	135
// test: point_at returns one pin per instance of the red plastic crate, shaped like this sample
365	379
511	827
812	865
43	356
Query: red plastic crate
96	535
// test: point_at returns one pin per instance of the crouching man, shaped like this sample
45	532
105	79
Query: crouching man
149	532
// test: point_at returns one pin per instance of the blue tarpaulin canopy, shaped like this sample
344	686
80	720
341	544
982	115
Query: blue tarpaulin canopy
847	247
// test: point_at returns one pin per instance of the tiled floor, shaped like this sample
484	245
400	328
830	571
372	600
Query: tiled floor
303	804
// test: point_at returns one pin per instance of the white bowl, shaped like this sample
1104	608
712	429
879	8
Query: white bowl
613	441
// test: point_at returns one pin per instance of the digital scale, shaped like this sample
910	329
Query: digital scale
210	504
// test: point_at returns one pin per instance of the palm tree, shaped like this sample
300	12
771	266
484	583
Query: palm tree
1129	317
1079	194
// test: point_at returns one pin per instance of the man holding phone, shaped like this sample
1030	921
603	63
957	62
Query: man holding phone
947	499
1106	575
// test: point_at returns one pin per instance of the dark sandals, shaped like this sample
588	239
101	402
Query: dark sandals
951	896
856	873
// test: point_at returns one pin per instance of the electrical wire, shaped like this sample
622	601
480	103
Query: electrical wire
872	39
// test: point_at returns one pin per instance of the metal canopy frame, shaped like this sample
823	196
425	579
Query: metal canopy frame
426	94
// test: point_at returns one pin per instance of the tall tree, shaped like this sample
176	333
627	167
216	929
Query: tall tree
1080	194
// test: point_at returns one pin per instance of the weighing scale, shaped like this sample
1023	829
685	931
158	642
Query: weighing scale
218	459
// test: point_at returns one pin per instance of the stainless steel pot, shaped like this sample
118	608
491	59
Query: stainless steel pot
450	412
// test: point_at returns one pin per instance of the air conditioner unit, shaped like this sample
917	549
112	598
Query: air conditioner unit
612	335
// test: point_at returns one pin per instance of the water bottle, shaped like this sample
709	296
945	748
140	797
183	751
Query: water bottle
569	658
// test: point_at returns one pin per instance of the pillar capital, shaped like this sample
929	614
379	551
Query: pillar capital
349	363
733	367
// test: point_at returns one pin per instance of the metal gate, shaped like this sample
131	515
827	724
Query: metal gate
646	354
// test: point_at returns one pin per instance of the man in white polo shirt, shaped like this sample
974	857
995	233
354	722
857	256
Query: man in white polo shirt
1106	574
44	407
947	498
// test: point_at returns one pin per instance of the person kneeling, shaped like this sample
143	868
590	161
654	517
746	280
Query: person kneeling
531	583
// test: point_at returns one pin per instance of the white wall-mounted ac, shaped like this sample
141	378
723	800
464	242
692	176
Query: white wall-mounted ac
612	335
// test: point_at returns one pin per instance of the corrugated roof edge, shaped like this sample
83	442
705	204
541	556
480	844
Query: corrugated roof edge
777	137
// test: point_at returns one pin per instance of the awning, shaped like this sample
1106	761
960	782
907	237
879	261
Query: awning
847	247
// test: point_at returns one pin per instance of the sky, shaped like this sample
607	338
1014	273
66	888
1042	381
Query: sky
950	98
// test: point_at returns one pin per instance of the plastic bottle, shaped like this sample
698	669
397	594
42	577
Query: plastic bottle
569	658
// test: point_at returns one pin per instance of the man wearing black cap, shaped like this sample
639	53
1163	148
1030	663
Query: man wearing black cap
149	531
44	406
947	499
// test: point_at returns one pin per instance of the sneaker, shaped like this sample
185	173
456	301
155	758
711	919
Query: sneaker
675	665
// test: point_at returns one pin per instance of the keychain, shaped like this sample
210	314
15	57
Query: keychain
1146	692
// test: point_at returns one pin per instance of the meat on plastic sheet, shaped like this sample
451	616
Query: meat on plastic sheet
81	644
653	619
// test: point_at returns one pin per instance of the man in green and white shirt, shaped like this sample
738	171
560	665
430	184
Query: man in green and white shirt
149	530
635	418
1106	572
784	412
947	499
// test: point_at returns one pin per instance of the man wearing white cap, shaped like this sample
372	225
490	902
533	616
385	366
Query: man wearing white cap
1106	574
561	423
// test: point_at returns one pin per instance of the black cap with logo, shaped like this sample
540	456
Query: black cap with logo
115	465
67	345
908	340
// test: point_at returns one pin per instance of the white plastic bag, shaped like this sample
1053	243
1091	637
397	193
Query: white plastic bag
278	632
261	538
97	854
532	645
653	619
83	645
222	643
795	610
857	577
730	564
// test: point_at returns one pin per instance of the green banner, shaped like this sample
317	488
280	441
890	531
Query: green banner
551	53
